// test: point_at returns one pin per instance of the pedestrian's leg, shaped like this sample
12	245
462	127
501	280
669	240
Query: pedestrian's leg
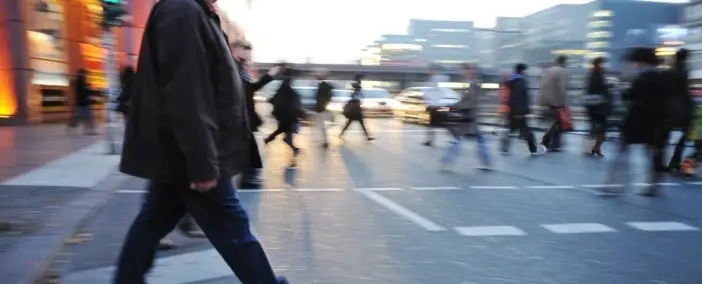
346	126
483	151
365	131
676	159
273	135
160	212
452	151
525	131
226	224
321	124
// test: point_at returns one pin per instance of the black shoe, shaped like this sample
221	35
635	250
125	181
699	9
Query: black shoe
428	144
325	145
369	139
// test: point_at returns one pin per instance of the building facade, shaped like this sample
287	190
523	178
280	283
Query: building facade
617	25
693	22
42	45
507	43
484	47
444	42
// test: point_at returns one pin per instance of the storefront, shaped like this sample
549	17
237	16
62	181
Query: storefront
42	45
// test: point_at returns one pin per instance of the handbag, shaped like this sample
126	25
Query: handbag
566	120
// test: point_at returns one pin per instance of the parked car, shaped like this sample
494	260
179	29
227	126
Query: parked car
409	105
375	102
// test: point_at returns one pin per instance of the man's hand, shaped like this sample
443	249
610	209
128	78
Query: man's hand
203	186
274	71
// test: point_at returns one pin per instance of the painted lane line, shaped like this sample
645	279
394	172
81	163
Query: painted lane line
695	183
318	189
494	187
661	226
436	188
132	191
379	189
578	228
641	184
552	187
489	231
602	185
668	184
402	211
260	190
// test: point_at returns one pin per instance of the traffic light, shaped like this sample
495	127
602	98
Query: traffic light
112	12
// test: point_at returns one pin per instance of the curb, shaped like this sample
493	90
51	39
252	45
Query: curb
31	257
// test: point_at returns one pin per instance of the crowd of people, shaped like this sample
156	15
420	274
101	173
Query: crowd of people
191	119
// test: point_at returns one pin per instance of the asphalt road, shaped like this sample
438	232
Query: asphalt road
382	212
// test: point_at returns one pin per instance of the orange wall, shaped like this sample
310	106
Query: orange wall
8	101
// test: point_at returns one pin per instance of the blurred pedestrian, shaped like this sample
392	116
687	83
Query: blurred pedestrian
125	93
682	106
241	50
287	110
646	119
353	110
188	134
82	113
462	121
432	100
323	97
554	96
518	106
598	102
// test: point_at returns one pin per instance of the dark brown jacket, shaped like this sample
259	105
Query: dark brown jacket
189	119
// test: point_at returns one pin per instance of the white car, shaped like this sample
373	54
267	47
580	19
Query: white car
375	102
410	103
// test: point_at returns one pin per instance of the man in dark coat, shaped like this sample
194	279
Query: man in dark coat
323	97
241	50
518	104
188	134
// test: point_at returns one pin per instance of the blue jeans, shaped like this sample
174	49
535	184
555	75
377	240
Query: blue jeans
220	216
454	150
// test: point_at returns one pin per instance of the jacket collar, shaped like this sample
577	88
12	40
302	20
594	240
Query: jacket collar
209	7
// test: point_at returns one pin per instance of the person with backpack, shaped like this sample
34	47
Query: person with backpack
517	109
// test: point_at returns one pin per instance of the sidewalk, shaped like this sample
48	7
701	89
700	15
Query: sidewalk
48	182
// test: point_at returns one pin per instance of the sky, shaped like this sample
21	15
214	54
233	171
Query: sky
335	31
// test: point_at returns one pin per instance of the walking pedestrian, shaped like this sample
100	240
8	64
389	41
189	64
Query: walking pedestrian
682	106
82	113
517	88
353	110
598	102
646	119
241	50
462	121
432	98
287	110
554	96
323	97
188	134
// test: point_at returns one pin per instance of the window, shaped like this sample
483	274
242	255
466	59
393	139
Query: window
450	46
601	34
597	44
599	24
602	14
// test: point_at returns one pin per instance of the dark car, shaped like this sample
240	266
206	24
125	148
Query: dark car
409	104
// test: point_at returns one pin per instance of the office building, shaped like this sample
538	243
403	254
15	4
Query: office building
399	50
614	26
507	43
483	44
444	42
42	45
693	22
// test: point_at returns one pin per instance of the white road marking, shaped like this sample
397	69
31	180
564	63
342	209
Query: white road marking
402	211
260	190
487	231
132	191
179	269
661	226
668	184
379	189
84	169
602	185
641	184
436	188
494	187
318	189
695	183
578	228
552	186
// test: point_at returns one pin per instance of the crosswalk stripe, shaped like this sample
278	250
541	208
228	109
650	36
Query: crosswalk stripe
551	186
436	188
577	228
489	231
379	189
661	226
318	189
602	185
494	187
402	211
